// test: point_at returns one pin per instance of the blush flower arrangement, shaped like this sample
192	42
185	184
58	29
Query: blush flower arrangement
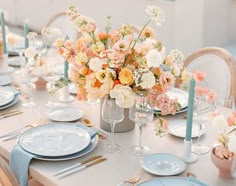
122	61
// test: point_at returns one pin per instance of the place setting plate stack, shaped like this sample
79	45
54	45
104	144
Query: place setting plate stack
58	141
8	97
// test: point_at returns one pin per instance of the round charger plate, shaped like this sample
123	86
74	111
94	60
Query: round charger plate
65	114
54	140
163	164
180	181
6	70
5	80
178	128
6	96
14	61
182	97
93	144
13	102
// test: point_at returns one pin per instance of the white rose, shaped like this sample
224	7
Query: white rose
123	95
219	122
154	58
95	64
30	53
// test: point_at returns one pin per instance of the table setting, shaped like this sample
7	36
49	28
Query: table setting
114	109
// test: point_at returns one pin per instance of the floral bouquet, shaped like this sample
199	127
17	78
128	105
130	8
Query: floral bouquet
122	61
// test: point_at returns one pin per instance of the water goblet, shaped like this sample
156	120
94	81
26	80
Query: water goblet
141	113
200	118
112	114
28	79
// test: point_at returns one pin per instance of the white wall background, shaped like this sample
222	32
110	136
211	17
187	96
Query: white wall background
190	24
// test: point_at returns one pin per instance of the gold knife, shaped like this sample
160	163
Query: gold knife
11	114
81	167
77	164
5	113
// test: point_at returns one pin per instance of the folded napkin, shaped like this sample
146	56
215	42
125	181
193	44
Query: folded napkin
20	159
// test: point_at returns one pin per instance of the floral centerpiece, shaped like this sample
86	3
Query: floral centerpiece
121	62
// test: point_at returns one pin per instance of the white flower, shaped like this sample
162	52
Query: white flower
124	96
156	14
51	33
95	64
219	122
31	35
144	78
178	57
30	52
154	58
176	70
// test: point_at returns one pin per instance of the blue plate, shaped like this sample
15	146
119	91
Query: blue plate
181	181
163	164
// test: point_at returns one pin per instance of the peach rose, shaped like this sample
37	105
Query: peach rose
126	76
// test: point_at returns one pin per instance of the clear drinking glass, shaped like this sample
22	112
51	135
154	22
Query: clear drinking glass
28	79
141	113
112	114
51	76
200	110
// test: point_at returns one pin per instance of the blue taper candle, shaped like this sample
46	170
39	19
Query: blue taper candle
191	97
3	33
26	32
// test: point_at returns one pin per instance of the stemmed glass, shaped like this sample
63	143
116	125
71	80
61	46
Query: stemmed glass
51	76
112	114
141	113
200	118
28	78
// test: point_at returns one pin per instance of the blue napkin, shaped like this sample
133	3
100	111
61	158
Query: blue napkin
20	159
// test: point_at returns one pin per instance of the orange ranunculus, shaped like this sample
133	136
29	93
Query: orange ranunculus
97	83
116	82
83	70
126	76
103	35
157	71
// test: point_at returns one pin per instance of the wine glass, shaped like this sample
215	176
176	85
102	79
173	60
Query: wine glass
112	114
28	78
51	76
141	113
201	107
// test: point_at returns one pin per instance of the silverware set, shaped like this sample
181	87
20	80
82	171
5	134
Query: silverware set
10	113
13	134
79	166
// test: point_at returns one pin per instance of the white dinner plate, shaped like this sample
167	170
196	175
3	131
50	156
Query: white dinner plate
6	70
88	149
163	164
54	140
6	96
13	102
65	114
14	61
179	181
178	128
181	95
5	80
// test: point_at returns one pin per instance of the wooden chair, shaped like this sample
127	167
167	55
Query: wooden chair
63	22
219	66
8	178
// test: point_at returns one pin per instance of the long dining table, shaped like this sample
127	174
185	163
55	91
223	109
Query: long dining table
118	166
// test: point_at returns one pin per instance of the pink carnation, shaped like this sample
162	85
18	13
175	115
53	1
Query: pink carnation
199	75
201	90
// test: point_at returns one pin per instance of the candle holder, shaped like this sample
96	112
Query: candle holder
65	95
187	155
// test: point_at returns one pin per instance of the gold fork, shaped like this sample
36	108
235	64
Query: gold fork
132	180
